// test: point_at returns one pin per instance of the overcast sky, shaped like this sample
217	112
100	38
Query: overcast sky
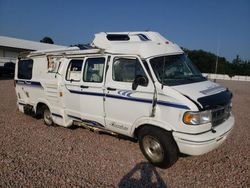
193	24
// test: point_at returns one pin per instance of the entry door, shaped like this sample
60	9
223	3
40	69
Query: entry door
123	106
72	88
92	91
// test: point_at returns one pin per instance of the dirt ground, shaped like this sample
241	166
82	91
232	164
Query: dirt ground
34	155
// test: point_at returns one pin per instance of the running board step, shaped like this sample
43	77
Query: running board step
94	129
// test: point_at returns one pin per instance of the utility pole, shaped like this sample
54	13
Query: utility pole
217	59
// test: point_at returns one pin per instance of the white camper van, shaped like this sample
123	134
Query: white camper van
137	84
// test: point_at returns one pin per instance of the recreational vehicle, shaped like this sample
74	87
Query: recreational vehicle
137	84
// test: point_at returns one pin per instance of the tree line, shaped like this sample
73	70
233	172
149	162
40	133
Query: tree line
206	62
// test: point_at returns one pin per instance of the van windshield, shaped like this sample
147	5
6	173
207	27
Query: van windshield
175	70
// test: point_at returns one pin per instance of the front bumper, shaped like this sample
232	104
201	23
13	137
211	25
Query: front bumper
198	144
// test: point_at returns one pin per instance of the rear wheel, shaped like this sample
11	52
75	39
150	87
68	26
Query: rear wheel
47	116
158	146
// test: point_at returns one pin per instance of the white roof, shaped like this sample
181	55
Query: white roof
25	44
145	44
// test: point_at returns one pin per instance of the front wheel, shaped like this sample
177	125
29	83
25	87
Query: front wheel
158	146
47	116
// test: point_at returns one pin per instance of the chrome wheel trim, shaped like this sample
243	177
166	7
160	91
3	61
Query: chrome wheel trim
153	148
47	117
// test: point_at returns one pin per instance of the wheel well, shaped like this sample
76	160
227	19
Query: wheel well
39	109
167	152
137	130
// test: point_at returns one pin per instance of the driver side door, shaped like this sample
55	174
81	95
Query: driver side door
123	106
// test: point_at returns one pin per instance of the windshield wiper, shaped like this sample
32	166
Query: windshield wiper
175	78
195	76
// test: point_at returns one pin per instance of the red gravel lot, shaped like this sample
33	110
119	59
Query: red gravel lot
34	155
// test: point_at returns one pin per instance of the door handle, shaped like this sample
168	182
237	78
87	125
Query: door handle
111	89
83	87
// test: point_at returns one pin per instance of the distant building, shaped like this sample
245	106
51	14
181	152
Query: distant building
11	47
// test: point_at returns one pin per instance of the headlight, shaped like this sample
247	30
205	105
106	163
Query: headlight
196	118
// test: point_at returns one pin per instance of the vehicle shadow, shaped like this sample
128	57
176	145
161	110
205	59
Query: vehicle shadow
143	175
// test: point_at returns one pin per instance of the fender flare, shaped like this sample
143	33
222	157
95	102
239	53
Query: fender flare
150	121
41	101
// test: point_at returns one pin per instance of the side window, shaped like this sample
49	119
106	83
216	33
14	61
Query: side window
25	69
74	70
93	70
126	70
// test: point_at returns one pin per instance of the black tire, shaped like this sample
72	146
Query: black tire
47	116
158	146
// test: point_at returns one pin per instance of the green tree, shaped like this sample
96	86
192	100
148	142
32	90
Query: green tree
206	63
47	40
240	67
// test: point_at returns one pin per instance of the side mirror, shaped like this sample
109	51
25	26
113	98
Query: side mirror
139	81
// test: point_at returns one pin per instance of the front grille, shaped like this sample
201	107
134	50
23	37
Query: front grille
221	114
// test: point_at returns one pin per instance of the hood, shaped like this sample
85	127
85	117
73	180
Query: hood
206	94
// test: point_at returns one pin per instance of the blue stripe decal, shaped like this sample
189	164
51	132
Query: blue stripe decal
87	93
129	98
143	37
28	83
57	115
93	123
112	96
165	103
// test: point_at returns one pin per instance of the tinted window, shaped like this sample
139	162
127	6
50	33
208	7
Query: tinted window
9	65
117	37
175	70
126	70
74	70
25	69
93	71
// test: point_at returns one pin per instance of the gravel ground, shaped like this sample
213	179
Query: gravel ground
34	155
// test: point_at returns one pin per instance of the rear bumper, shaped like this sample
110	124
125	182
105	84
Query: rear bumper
202	143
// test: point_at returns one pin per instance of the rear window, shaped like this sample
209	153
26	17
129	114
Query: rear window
25	69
